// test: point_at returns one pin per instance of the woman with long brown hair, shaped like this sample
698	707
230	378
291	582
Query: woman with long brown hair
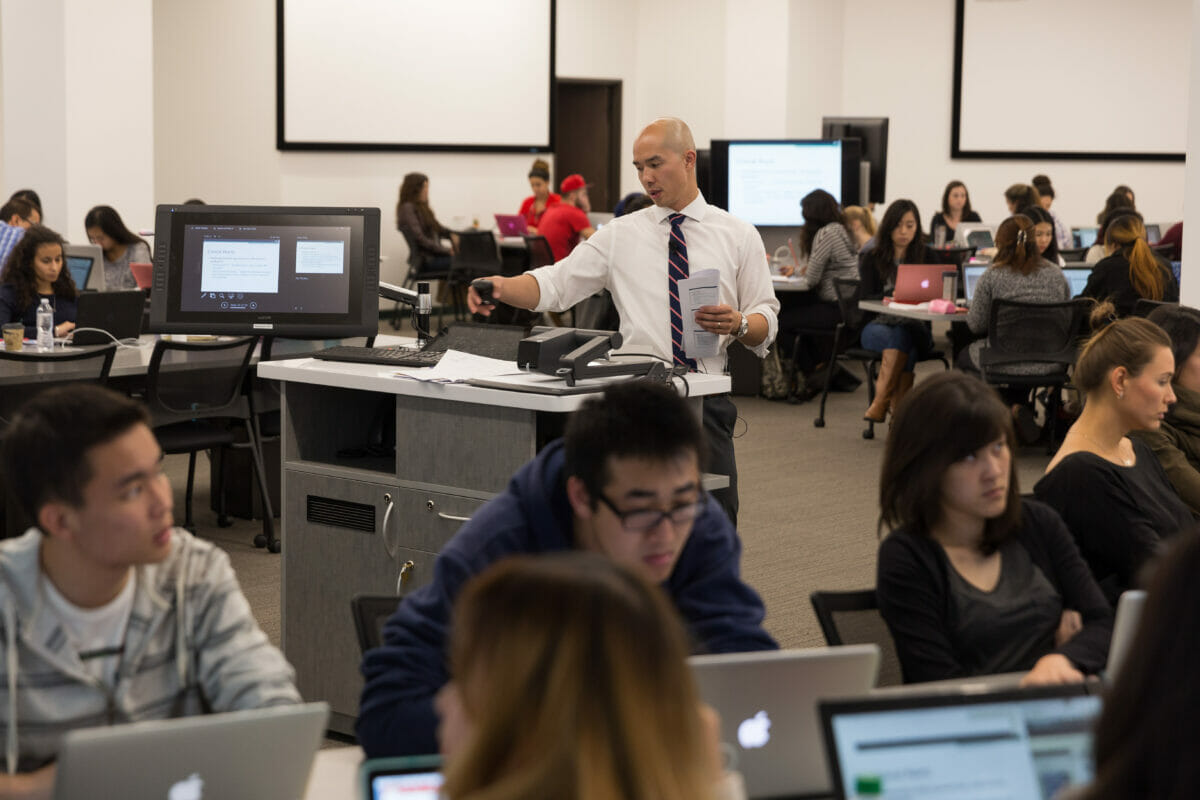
570	681
1131	271
421	229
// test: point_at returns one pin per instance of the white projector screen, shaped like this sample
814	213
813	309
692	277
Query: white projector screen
1071	79
414	75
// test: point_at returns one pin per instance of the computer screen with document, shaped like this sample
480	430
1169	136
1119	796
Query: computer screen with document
247	270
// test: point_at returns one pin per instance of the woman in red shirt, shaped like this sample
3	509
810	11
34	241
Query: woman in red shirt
542	198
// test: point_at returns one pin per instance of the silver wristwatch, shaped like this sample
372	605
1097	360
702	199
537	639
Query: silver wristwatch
743	328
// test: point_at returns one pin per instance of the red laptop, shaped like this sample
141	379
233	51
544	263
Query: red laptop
919	283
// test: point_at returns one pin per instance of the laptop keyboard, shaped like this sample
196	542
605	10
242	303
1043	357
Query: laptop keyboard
387	356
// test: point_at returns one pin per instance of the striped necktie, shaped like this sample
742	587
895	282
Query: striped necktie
677	269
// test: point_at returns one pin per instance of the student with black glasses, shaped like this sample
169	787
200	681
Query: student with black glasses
624	482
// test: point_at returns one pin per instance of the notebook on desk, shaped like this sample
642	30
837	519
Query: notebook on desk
1027	743
768	707
118	313
511	225
265	754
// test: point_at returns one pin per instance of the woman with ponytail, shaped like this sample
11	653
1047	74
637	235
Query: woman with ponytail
1110	489
1018	272
1131	271
542	198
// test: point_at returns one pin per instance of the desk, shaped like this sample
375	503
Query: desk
334	774
880	307
782	284
360	518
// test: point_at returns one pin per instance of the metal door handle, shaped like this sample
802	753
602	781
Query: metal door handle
388	544
452	518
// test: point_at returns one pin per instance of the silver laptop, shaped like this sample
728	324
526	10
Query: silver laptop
86	261
1129	614
768	706
1077	277
971	275
1027	743
264	754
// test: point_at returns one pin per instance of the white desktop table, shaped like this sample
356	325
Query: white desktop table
880	307
378	473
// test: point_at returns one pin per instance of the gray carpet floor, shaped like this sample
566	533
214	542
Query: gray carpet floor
808	511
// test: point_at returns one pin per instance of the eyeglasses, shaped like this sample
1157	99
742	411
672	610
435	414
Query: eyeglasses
641	520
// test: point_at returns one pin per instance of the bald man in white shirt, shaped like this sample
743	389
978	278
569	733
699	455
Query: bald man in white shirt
629	256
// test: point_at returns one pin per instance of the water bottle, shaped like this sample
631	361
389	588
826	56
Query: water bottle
45	326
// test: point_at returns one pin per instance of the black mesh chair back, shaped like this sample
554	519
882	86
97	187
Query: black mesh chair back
1073	254
26	373
1143	307
854	618
193	390
1032	333
418	266
540	253
475	256
849	292
370	612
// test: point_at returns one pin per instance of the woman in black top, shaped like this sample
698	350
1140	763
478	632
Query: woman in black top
1111	490
421	229
901	340
35	271
972	580
1131	271
956	208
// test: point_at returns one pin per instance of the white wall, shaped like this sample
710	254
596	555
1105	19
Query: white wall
78	110
901	65
752	68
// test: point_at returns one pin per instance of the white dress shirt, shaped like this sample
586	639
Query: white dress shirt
628	256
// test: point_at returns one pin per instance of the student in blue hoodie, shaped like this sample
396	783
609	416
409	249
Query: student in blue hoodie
624	481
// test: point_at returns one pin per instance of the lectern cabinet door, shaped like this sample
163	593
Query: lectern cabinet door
424	520
335	546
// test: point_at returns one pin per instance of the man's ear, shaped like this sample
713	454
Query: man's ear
56	519
579	498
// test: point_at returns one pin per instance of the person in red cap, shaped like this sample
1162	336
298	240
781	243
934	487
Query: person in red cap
566	224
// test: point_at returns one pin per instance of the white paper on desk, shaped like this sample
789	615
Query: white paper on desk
457	367
702	288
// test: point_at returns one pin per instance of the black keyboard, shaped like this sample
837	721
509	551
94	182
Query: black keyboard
388	356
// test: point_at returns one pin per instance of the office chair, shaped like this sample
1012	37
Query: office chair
370	612
43	370
1020	334
849	292
188	406
419	269
854	618
476	256
1143	306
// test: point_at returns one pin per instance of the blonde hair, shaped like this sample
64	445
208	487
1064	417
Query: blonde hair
1130	343
572	670
863	216
1127	233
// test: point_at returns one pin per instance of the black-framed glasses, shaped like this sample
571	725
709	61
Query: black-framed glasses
641	520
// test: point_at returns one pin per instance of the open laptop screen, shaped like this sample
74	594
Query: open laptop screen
1017	743
80	268
1077	277
971	274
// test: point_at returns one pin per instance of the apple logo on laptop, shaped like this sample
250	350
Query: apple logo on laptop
752	733
190	788
925	283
